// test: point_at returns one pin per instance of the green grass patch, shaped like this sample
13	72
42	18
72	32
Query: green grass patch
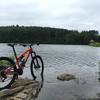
95	44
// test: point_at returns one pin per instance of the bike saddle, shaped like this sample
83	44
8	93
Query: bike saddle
11	44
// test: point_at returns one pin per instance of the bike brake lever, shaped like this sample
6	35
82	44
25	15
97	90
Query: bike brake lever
38	43
24	45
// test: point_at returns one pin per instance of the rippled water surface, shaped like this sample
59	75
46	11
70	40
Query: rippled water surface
81	61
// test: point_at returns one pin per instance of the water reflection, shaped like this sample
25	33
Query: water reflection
38	90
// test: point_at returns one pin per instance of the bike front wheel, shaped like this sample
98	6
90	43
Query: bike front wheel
7	72
37	67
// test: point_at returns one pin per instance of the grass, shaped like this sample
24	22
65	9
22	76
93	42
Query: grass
95	44
5	64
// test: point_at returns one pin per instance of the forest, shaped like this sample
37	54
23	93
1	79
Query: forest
46	35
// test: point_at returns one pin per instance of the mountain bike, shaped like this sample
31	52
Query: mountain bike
10	69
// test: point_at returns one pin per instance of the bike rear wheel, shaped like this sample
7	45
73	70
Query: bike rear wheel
7	76
37	67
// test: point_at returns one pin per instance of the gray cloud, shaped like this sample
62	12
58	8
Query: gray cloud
71	14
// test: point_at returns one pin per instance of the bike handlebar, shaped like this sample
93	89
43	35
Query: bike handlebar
22	44
11	44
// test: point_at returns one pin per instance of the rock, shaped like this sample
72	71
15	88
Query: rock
65	77
13	98
22	82
22	89
21	95
11	91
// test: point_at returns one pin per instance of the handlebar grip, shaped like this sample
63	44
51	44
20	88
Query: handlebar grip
38	43
24	45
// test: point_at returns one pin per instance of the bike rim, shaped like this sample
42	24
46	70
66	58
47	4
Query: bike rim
6	75
38	68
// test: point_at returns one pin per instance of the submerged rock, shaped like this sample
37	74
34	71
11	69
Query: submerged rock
65	77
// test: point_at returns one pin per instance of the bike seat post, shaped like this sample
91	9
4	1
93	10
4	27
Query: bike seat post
14	50
30	46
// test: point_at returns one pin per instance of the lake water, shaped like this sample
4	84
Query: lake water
81	61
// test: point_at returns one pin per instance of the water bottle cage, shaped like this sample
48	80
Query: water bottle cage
21	58
22	61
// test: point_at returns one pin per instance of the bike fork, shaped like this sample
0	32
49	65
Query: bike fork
36	64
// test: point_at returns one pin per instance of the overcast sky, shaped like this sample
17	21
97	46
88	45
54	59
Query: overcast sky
69	14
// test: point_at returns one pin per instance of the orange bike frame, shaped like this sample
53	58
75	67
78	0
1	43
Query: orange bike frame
25	54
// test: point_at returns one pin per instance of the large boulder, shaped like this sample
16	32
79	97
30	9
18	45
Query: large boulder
65	77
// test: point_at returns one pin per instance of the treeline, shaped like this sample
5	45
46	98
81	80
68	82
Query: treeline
31	34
